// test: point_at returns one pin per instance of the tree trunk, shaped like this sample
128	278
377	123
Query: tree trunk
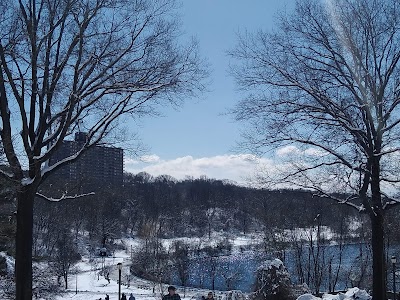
66	280
24	238
378	231
378	254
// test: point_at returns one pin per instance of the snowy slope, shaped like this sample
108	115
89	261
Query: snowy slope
87	284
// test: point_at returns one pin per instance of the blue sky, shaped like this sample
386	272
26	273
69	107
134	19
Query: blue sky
198	139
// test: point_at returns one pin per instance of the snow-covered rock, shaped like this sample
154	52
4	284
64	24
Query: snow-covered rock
308	297
235	295
351	294
356	293
8	267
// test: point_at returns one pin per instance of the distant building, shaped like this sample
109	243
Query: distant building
98	165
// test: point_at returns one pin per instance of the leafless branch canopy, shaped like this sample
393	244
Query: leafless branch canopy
68	65
326	83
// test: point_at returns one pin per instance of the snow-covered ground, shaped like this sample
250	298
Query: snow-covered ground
88	284
351	294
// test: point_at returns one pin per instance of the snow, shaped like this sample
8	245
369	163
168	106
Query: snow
26	181
269	264
246	239
351	294
9	261
310	232
238	241
88	284
308	297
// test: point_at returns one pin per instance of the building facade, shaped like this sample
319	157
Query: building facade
98	165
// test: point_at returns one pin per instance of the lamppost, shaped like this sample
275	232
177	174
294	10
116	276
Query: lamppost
119	265
393	259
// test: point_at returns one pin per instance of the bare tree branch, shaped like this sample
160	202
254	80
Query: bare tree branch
82	65
327	79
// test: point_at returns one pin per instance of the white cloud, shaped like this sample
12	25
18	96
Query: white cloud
288	150
150	158
292	150
315	152
233	167
130	161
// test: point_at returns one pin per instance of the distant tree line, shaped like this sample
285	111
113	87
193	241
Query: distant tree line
165	207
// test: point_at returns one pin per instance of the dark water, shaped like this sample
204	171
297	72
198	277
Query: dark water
238	271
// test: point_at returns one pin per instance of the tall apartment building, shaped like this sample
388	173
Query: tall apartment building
98	165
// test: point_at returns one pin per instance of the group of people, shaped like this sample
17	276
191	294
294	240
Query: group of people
123	297
131	297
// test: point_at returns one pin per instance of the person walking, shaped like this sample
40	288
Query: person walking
131	297
172	295
107	297
123	297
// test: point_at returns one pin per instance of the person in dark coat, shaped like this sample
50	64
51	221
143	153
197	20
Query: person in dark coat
107	297
123	297
210	296
172	295
131	297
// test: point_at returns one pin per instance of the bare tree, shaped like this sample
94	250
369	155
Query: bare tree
181	262
230	274
212	264
335	269
81	65
326	83
65	257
